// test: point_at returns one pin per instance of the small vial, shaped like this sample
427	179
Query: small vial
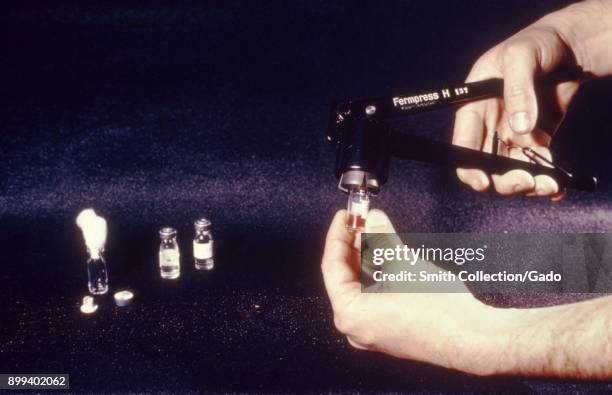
358	206
97	274
169	256
94	230
203	245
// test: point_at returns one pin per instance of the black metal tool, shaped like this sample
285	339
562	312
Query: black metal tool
365	141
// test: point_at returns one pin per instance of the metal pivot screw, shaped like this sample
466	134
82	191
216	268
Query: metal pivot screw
369	110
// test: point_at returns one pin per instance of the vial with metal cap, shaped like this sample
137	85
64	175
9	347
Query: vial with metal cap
203	245
169	255
358	207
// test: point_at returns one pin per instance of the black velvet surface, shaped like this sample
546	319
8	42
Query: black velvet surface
155	114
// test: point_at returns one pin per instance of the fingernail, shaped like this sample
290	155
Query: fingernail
376	219
520	121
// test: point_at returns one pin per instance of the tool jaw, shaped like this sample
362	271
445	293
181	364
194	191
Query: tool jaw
362	154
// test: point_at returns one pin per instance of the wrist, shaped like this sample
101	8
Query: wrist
586	28
511	341
483	348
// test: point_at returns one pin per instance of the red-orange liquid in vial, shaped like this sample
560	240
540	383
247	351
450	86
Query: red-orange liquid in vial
355	223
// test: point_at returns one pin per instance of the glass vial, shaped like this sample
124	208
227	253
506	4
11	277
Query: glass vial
169	256
358	207
97	273
203	245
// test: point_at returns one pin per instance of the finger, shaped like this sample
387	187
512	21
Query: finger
469	126
469	132
554	102
520	64
566	92
559	196
537	139
380	232
545	186
475	178
378	222
341	280
513	182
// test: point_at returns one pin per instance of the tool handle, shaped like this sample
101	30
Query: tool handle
403	104
421	149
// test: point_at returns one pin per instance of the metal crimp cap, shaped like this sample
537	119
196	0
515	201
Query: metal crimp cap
202	224
123	298
359	179
167	233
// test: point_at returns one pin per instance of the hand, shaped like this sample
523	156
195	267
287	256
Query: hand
453	330
457	331
525	117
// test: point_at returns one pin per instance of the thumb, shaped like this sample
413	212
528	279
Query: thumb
379	233
520	64
378	222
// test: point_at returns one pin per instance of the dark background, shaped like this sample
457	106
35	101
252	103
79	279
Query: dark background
155	114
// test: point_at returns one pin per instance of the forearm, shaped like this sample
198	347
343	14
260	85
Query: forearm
586	27
572	341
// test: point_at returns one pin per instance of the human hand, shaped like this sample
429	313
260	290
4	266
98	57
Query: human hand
453	330
525	116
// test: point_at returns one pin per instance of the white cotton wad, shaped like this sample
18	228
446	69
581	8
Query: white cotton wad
94	230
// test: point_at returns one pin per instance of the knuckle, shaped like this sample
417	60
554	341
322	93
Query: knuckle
367	338
500	189
514	51
501	186
545	186
472	110
343	323
462	175
518	97
517	92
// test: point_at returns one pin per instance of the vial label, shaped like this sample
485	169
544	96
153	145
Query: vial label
202	250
